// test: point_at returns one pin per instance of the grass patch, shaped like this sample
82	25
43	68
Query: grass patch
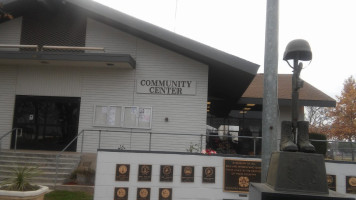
67	195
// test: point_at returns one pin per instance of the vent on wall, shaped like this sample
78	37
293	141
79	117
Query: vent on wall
44	25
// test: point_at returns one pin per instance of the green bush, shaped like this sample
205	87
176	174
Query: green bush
320	147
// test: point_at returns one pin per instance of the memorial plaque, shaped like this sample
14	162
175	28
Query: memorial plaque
351	184
143	193
331	179
144	172
208	175
121	193
239	173
122	172
166	174
187	174
165	193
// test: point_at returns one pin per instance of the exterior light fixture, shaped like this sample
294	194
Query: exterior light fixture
297	51
250	105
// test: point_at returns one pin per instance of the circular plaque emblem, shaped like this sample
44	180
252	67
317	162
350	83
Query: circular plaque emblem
145	170
188	171
352	181
244	181
209	172
143	193
329	179
165	193
121	192
122	169
167	170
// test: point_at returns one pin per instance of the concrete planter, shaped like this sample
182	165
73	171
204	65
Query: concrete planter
28	195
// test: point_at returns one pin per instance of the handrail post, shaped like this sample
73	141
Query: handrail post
16	139
254	146
150	142
81	148
201	142
99	139
55	181
352	151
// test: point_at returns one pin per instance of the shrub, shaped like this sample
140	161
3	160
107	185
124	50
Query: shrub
20	178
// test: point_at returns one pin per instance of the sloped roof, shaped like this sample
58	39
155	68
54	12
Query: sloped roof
308	95
229	76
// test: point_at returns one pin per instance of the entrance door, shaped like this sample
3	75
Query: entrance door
48	123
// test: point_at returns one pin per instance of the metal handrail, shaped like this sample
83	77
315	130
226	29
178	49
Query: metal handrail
19	46
65	148
82	133
73	48
11	131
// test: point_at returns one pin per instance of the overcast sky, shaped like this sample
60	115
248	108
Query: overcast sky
238	27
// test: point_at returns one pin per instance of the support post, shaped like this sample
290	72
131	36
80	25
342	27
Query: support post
270	98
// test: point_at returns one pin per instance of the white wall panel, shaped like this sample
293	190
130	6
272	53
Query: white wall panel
49	80
7	101
106	168
113	40
186	114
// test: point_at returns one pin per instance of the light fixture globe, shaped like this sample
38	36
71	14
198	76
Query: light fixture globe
298	50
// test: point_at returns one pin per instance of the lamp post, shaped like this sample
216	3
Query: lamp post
295	134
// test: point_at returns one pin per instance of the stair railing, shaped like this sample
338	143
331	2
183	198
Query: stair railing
81	133
17	130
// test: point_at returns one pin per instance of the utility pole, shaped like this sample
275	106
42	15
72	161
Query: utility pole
270	98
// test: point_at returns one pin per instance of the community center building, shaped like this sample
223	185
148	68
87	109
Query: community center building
70	67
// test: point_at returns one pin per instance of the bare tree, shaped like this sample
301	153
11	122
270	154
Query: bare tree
319	120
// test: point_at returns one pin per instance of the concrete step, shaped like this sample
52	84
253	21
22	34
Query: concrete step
8	168
37	158
45	161
37	164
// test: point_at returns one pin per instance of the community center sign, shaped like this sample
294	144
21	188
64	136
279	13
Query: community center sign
166	87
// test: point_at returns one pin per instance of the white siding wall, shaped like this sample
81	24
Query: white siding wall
7	101
50	80
10	34
186	114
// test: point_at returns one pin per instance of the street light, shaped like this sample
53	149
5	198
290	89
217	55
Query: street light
297	50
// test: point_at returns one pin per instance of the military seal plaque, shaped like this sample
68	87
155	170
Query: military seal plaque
143	193
165	194
351	184
331	179
208	175
166	173
122	172
239	173
121	193
187	174
144	172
